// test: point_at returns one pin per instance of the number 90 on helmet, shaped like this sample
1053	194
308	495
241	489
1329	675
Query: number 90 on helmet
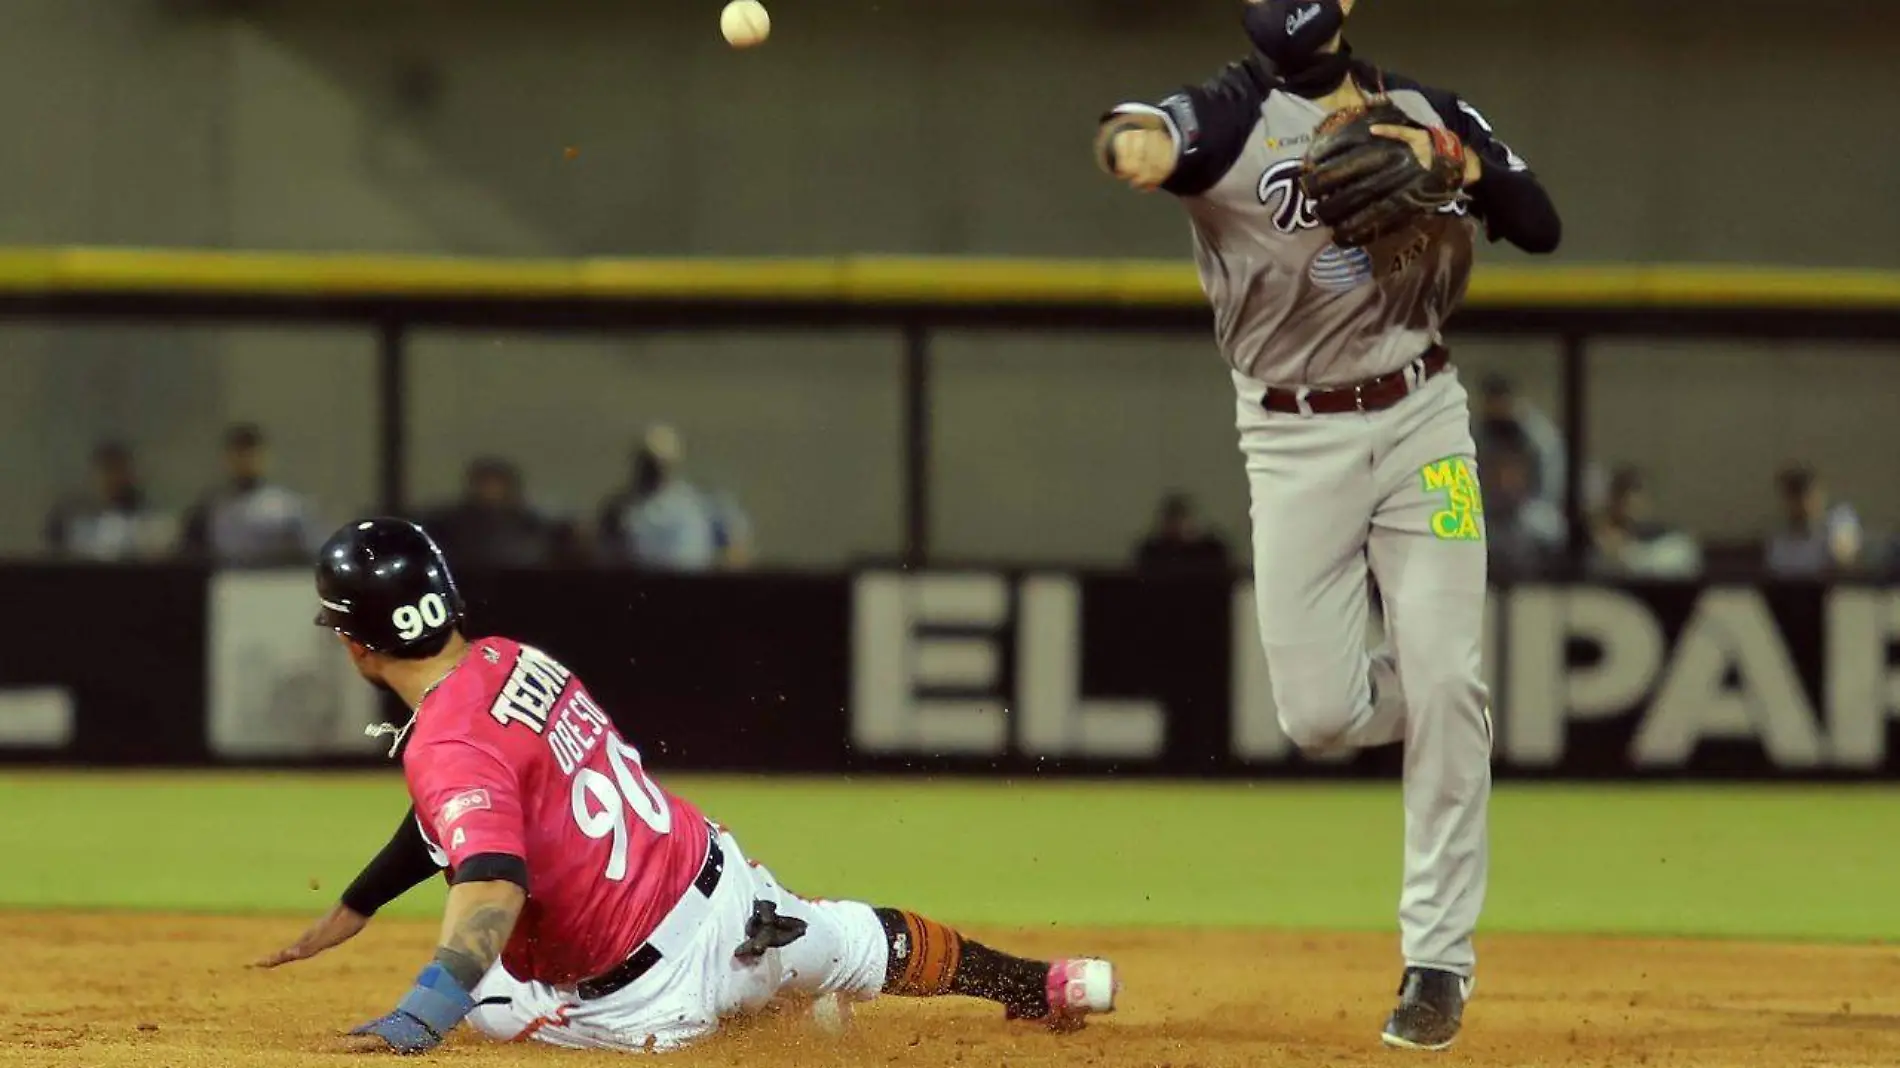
384	584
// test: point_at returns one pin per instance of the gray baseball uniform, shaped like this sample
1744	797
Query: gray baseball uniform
1386	490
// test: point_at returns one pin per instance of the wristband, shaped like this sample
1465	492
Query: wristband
427	1013
437	1000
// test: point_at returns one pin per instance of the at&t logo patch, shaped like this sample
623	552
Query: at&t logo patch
1340	269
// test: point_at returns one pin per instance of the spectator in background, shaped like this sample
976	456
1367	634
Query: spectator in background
493	525
1819	537
1626	541
1506	420
1178	544
664	522
249	521
1526	533
112	521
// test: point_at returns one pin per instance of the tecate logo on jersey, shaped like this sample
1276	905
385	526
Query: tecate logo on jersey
531	690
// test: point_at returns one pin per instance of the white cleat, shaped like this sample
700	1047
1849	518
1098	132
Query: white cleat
1079	988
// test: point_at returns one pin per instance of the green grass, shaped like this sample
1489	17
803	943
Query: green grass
1742	862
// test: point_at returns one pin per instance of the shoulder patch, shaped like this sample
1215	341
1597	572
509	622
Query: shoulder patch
461	805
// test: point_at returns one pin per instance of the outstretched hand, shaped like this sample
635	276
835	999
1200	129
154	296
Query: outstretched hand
1137	150
336	927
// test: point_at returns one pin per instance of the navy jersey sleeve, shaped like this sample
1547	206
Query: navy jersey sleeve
1209	123
1513	204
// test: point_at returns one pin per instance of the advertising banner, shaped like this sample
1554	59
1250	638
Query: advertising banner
968	672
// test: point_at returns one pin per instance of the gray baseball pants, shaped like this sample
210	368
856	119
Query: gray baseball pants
1393	494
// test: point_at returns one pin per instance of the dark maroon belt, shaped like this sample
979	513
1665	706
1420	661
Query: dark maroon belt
1371	395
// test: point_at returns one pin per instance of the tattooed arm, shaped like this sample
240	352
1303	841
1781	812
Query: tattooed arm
480	916
468	797
479	919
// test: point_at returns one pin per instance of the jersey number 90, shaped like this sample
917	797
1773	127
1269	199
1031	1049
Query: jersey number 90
601	803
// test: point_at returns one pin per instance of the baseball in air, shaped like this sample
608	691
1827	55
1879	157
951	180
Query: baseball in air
745	23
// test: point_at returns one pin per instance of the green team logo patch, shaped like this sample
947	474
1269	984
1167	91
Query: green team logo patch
1453	478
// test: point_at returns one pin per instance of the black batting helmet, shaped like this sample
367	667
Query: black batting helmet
385	585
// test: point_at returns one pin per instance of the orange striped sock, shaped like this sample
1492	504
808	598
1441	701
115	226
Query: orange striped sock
929	959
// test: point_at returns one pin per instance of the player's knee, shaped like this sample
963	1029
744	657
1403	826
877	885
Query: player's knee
1313	734
1320	691
1316	718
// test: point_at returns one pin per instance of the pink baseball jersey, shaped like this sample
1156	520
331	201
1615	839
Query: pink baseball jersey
510	755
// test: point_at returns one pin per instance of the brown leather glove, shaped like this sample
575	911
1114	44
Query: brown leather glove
1365	185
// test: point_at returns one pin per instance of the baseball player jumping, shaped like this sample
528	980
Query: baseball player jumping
588	907
1334	208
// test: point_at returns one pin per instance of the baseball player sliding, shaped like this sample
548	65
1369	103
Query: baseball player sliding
1334	207
588	907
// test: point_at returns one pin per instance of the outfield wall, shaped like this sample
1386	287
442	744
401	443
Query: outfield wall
976	672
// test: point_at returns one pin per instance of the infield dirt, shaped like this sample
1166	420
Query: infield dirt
161	991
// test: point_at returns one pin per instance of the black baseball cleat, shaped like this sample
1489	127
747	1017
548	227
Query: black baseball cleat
1431	1006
